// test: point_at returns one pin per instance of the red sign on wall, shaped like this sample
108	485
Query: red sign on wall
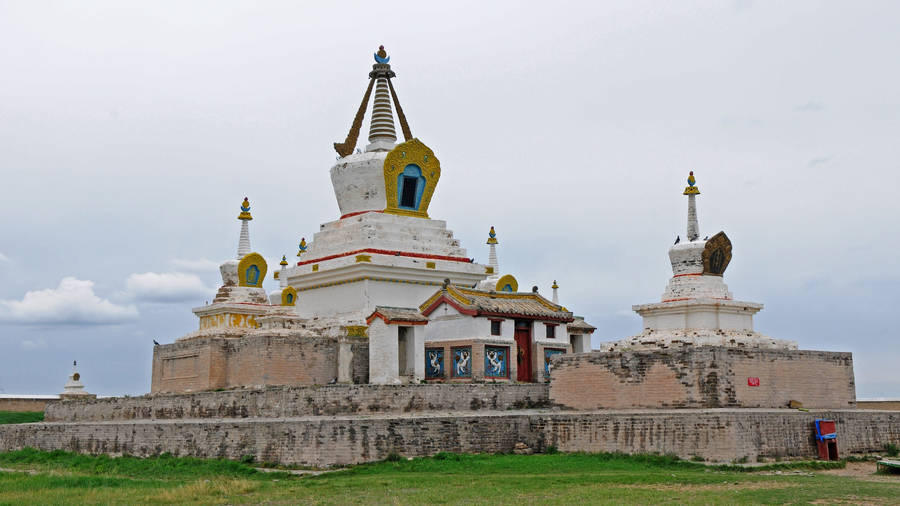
753	382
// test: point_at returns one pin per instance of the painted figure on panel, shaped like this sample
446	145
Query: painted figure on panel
548	354
495	361
462	366
434	363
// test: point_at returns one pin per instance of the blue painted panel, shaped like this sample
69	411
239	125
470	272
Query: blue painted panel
252	275
462	362
416	172
496	362
548	354
434	362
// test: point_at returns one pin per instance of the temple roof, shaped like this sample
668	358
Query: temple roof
579	326
489	303
397	315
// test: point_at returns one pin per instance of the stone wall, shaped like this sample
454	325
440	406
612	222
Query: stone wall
211	363
716	435
704	377
280	402
720	434
22	404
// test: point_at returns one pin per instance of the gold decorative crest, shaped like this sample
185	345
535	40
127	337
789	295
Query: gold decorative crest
507	279
289	296
412	152
716	255
252	270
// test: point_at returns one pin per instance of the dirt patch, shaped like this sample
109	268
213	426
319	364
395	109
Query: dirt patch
864	471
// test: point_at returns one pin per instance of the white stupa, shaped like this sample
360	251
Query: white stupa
74	389
384	250
696	308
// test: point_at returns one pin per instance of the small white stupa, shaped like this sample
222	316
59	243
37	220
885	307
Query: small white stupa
696	308
74	389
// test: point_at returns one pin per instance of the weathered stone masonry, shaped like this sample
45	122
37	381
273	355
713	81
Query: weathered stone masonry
720	434
703	377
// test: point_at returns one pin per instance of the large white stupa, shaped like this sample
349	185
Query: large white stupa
696	308
384	249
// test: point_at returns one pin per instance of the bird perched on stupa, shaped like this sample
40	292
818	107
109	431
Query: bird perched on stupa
677	239
381	56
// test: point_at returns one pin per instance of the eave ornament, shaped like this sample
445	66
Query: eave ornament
507	283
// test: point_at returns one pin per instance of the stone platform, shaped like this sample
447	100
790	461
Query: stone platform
323	441
339	425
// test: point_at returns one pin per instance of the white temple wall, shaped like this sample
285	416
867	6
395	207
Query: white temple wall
396	353
332	300
581	343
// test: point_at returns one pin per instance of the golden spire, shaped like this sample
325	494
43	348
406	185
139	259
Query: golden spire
555	286
492	236
284	261
691	189
245	210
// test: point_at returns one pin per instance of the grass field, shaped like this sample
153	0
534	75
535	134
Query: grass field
21	416
32	477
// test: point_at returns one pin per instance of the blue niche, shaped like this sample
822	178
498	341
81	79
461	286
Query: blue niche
496	362
252	275
507	288
462	362
290	298
434	363
410	186
548	354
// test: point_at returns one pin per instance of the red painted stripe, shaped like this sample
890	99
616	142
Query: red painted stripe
357	213
387	252
679	275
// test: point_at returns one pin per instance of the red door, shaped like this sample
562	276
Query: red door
523	343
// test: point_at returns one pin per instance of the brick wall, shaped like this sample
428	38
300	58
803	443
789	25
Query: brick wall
22	404
716	434
214	362
277	402
706	377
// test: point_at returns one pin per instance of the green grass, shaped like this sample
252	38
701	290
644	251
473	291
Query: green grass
446	478
21	417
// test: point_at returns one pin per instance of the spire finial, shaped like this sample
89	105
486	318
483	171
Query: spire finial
492	236
691	189
302	246
381	56
245	210
284	261
693	226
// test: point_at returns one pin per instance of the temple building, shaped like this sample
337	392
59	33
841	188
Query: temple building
383	294
696	308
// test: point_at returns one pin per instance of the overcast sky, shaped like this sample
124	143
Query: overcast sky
130	132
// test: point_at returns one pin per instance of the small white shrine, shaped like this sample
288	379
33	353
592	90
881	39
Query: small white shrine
696	308
74	388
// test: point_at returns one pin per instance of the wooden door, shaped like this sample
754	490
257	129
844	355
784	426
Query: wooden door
523	343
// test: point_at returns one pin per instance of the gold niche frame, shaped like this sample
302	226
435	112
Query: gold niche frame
251	259
716	255
507	279
290	290
411	152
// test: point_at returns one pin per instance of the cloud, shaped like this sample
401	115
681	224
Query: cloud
165	287
33	344
199	264
72	302
819	160
811	106
4	258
